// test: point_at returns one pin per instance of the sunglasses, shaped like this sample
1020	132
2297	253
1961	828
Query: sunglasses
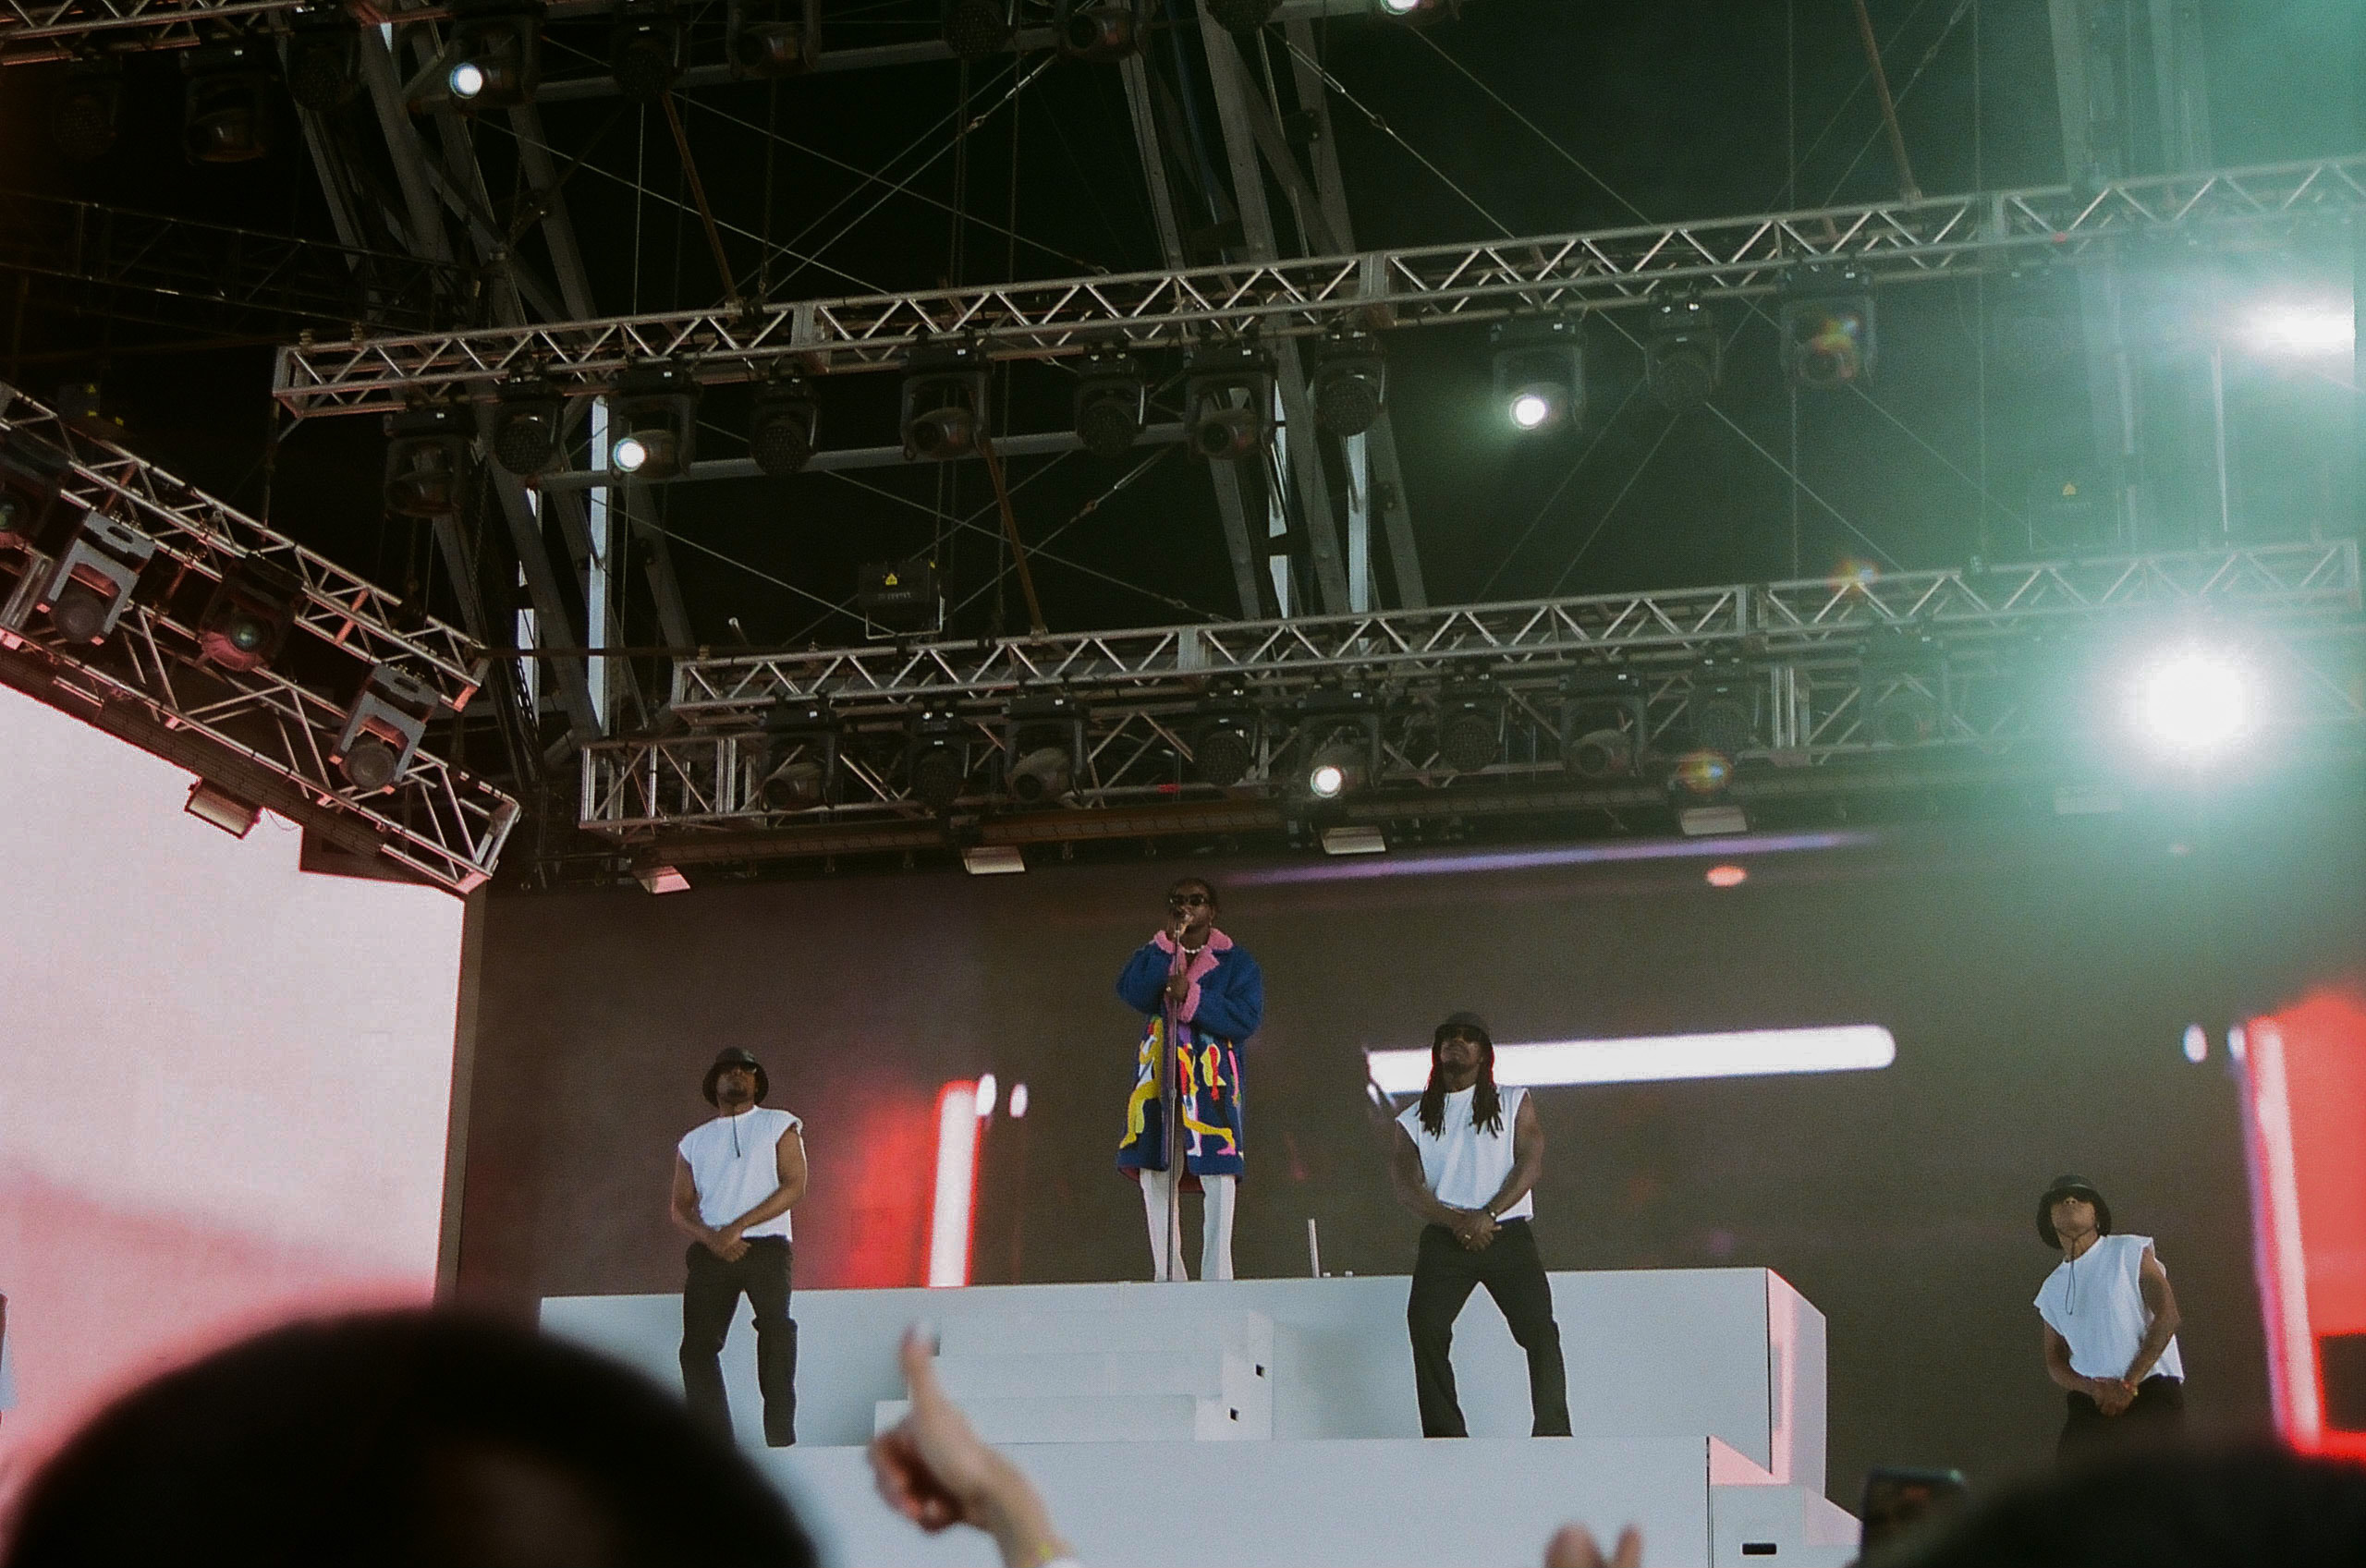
1186	900
1468	1036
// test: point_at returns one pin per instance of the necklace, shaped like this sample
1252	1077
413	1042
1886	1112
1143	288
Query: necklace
1191	951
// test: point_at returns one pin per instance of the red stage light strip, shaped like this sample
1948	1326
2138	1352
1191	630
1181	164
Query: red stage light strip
959	1129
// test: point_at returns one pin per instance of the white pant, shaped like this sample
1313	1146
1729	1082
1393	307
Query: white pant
1216	1227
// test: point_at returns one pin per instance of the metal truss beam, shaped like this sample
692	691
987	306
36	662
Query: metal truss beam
1547	636
271	729
1817	672
1428	285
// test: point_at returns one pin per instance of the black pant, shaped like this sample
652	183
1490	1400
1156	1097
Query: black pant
710	1297
1442	1278
2156	1415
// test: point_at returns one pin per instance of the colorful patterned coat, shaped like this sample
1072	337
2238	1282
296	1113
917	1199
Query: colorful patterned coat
1222	1009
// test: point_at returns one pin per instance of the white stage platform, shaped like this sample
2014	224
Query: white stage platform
1696	1395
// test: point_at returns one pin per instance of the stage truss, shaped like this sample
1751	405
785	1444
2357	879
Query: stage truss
265	737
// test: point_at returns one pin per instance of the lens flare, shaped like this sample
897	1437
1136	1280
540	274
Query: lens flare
1530	409
2194	703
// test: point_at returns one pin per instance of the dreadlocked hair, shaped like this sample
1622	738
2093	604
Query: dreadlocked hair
1486	1105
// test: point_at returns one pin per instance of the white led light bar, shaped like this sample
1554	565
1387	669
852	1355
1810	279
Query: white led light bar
1745	1054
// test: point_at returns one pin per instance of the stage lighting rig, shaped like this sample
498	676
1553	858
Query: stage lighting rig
944	412
784	426
1242	16
1111	403
774	37
246	620
655	416
497	51
1901	689
1718	711
936	763
1227	400
1351	384
1338	739
1224	743
382	728
95	578
645	52
899	598
321	61
1420	13
1471	726
1099	31
225	111
1044	738
87	117
1540	373
32	473
427	459
975	29
2195	702
1683	357
1828	327
1605	724
528	418
796	763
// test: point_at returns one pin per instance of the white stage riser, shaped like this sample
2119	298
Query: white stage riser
1734	1354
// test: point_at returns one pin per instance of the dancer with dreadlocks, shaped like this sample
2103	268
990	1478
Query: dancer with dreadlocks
1466	1159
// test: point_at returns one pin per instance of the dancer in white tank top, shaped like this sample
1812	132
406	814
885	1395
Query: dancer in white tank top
2111	1327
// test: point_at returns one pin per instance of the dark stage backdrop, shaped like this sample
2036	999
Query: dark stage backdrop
2038	980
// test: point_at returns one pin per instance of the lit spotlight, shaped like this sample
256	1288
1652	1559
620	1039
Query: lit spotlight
985	1095
467	80
2299	330
630	454
1018	1101
2194	703
1530	409
1327	780
1539	373
1727	876
2197	1044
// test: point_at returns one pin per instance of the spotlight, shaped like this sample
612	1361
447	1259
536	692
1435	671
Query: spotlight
1470	728
1098	31
1042	774
247	620
1418	12
795	763
660	876
1827	321
645	53
1227	400
1335	768
1242	16
92	582
1721	722
384	728
656	417
427	454
2195	702
1605	716
976	29
944	403
1225	748
774	37
1043	732
1682	356
88	115
527	422
498	57
1111	400
1354	841
937	765
209	802
1540	373
783	426
898	598
1350	386
1601	754
226	110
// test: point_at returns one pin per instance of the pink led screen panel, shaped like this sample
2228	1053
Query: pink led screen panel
223	1083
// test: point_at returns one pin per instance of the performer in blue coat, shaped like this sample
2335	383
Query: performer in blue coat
1195	976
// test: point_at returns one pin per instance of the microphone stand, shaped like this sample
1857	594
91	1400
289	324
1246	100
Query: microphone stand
1170	1099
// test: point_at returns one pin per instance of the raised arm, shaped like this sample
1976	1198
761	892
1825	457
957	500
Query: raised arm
2161	1303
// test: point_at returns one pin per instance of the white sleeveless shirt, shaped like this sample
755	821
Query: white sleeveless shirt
2097	1305
1466	1165
734	1163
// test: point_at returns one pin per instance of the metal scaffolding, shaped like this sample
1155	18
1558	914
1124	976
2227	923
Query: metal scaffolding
1427	286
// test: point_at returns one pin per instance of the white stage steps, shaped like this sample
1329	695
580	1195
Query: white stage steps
1696	1396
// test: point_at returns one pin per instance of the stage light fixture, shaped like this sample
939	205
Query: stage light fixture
1224	747
1607	753
1351	384
93	579
1111	403
945	404
797	760
975	29
2195	702
247	619
1683	357
645	52
1828	327
225	108
937	763
1540	376
660	876
899	598
384	728
497	55
1227	400
1722	820
774	37
1470	727
1718	709
655	414
321	61
1099	32
1605	716
784	426
1044	743
427	455
1338	766
1354	841
1041	776
87	117
527	421
1242	16
209	802
995	860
